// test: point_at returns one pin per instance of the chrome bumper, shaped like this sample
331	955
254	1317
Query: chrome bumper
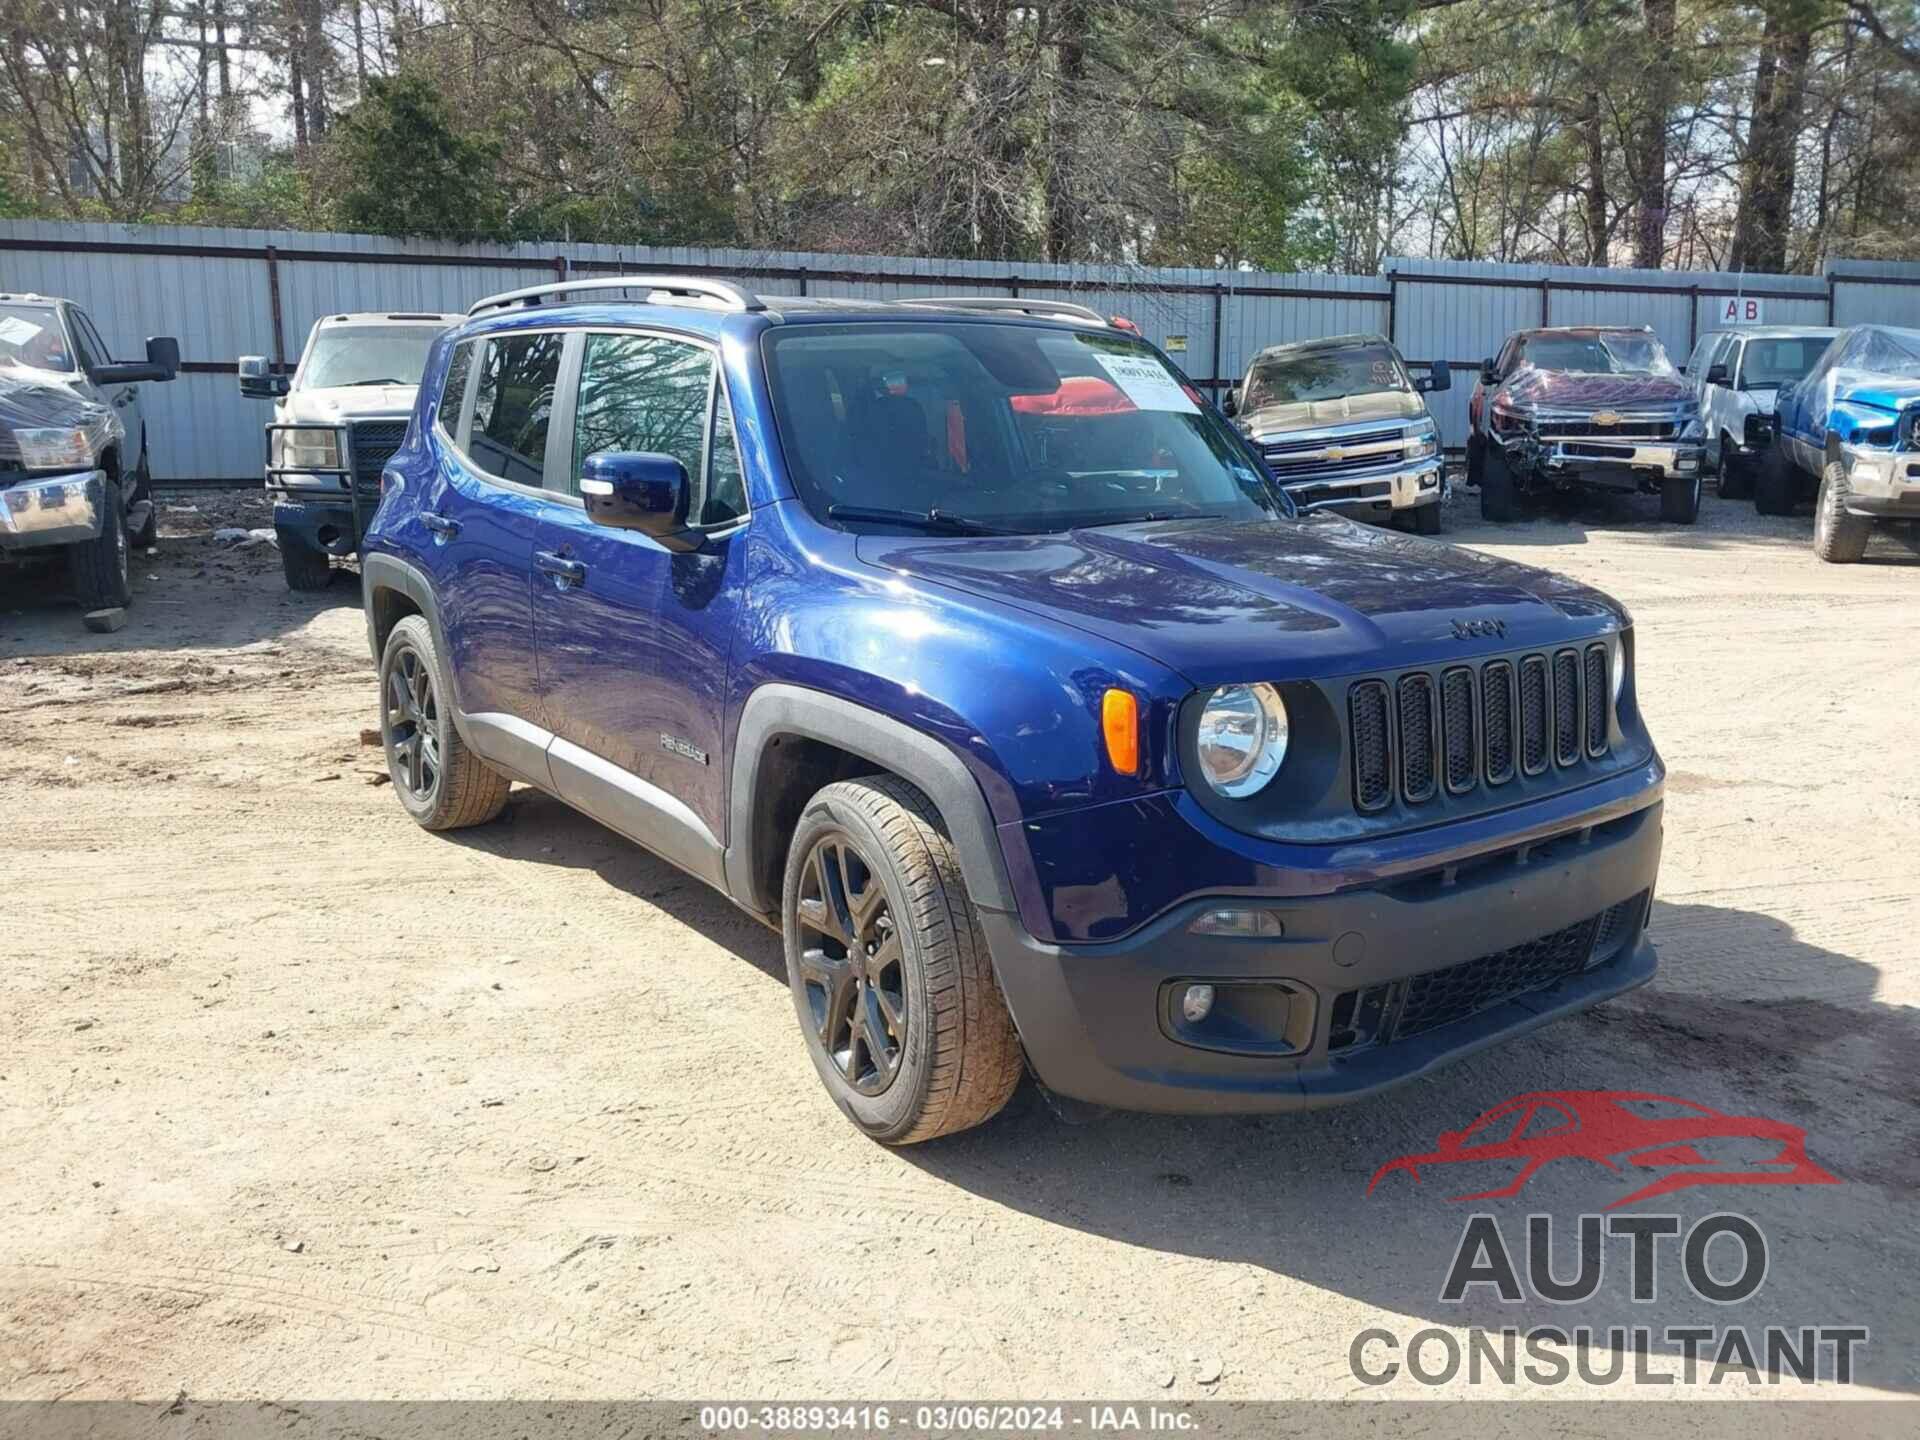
58	510
1400	488
1882	482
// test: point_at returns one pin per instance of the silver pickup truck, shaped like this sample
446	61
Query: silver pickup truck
1343	426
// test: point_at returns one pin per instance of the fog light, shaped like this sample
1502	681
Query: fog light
1197	1003
1243	924
1686	462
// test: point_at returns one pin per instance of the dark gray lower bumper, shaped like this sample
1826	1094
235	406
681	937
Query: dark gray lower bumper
319	523
1095	1019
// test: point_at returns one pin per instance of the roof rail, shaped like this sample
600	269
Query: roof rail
1057	309
688	286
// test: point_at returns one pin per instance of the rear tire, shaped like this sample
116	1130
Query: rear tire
441	783
1680	499
891	979
99	567
305	568
1838	538
1496	486
1777	487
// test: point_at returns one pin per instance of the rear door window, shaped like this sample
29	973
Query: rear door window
513	406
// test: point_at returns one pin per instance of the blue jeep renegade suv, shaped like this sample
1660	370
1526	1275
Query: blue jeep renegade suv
965	643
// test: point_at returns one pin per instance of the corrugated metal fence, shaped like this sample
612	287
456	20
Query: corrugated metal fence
227	293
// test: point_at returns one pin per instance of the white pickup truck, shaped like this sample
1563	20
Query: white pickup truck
1737	375
339	417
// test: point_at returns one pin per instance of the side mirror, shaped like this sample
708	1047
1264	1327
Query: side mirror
1718	375
1488	375
637	490
1230	401
1439	377
257	380
162	364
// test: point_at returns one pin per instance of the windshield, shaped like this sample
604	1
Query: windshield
1323	375
1885	353
1001	428
1773	363
1620	352
32	335
364	355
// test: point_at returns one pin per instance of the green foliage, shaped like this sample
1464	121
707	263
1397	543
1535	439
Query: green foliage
403	167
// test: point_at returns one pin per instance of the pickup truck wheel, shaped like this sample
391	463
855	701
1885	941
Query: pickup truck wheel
1736	471
1838	538
305	567
889	969
1777	487
442	784
1496	486
99	566
1680	499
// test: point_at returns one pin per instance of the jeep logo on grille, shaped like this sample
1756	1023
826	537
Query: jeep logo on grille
1479	629
1606	417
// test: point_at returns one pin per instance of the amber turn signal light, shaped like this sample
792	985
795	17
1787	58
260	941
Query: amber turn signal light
1120	723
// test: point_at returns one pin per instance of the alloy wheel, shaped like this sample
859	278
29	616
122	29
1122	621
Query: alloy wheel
413	724
852	965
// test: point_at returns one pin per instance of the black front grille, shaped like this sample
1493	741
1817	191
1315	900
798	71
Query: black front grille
1419	734
1628	429
374	442
1372	769
1416	738
1382	1014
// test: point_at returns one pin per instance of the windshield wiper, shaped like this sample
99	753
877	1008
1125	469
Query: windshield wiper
1146	517
935	521
389	380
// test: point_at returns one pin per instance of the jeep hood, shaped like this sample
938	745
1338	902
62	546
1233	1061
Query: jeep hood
1269	421
349	402
1579	390
1270	599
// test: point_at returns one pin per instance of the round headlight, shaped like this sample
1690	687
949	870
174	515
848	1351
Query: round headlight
1618	662
1242	739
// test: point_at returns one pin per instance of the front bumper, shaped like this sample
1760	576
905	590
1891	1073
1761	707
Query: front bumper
56	510
1103	1023
1882	483
1392	488
1610	464
333	523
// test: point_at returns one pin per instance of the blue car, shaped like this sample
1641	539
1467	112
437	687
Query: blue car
966	645
1845	439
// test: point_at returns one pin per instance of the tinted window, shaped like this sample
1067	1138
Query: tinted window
645	393
1323	375
514	405
1006	427
453	390
726	497
88	339
1697	362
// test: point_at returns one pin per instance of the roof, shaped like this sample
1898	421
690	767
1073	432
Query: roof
1583	329
1324	342
395	317
28	298
1780	332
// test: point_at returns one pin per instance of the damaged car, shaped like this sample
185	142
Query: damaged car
1598	409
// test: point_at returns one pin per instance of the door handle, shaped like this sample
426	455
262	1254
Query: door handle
440	525
564	571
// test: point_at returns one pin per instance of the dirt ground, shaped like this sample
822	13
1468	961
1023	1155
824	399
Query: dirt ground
297	1100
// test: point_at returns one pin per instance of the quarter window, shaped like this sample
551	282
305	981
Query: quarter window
514	406
726	484
453	390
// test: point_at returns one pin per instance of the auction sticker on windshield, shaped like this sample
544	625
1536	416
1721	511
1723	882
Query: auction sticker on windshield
16	331
1146	382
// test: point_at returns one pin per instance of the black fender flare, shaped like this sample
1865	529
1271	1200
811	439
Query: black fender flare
777	709
380	571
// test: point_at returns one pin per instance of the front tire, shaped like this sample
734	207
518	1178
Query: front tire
889	969
1838	538
1680	499
306	568
1778	485
442	784
1496	485
1736	471
99	567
